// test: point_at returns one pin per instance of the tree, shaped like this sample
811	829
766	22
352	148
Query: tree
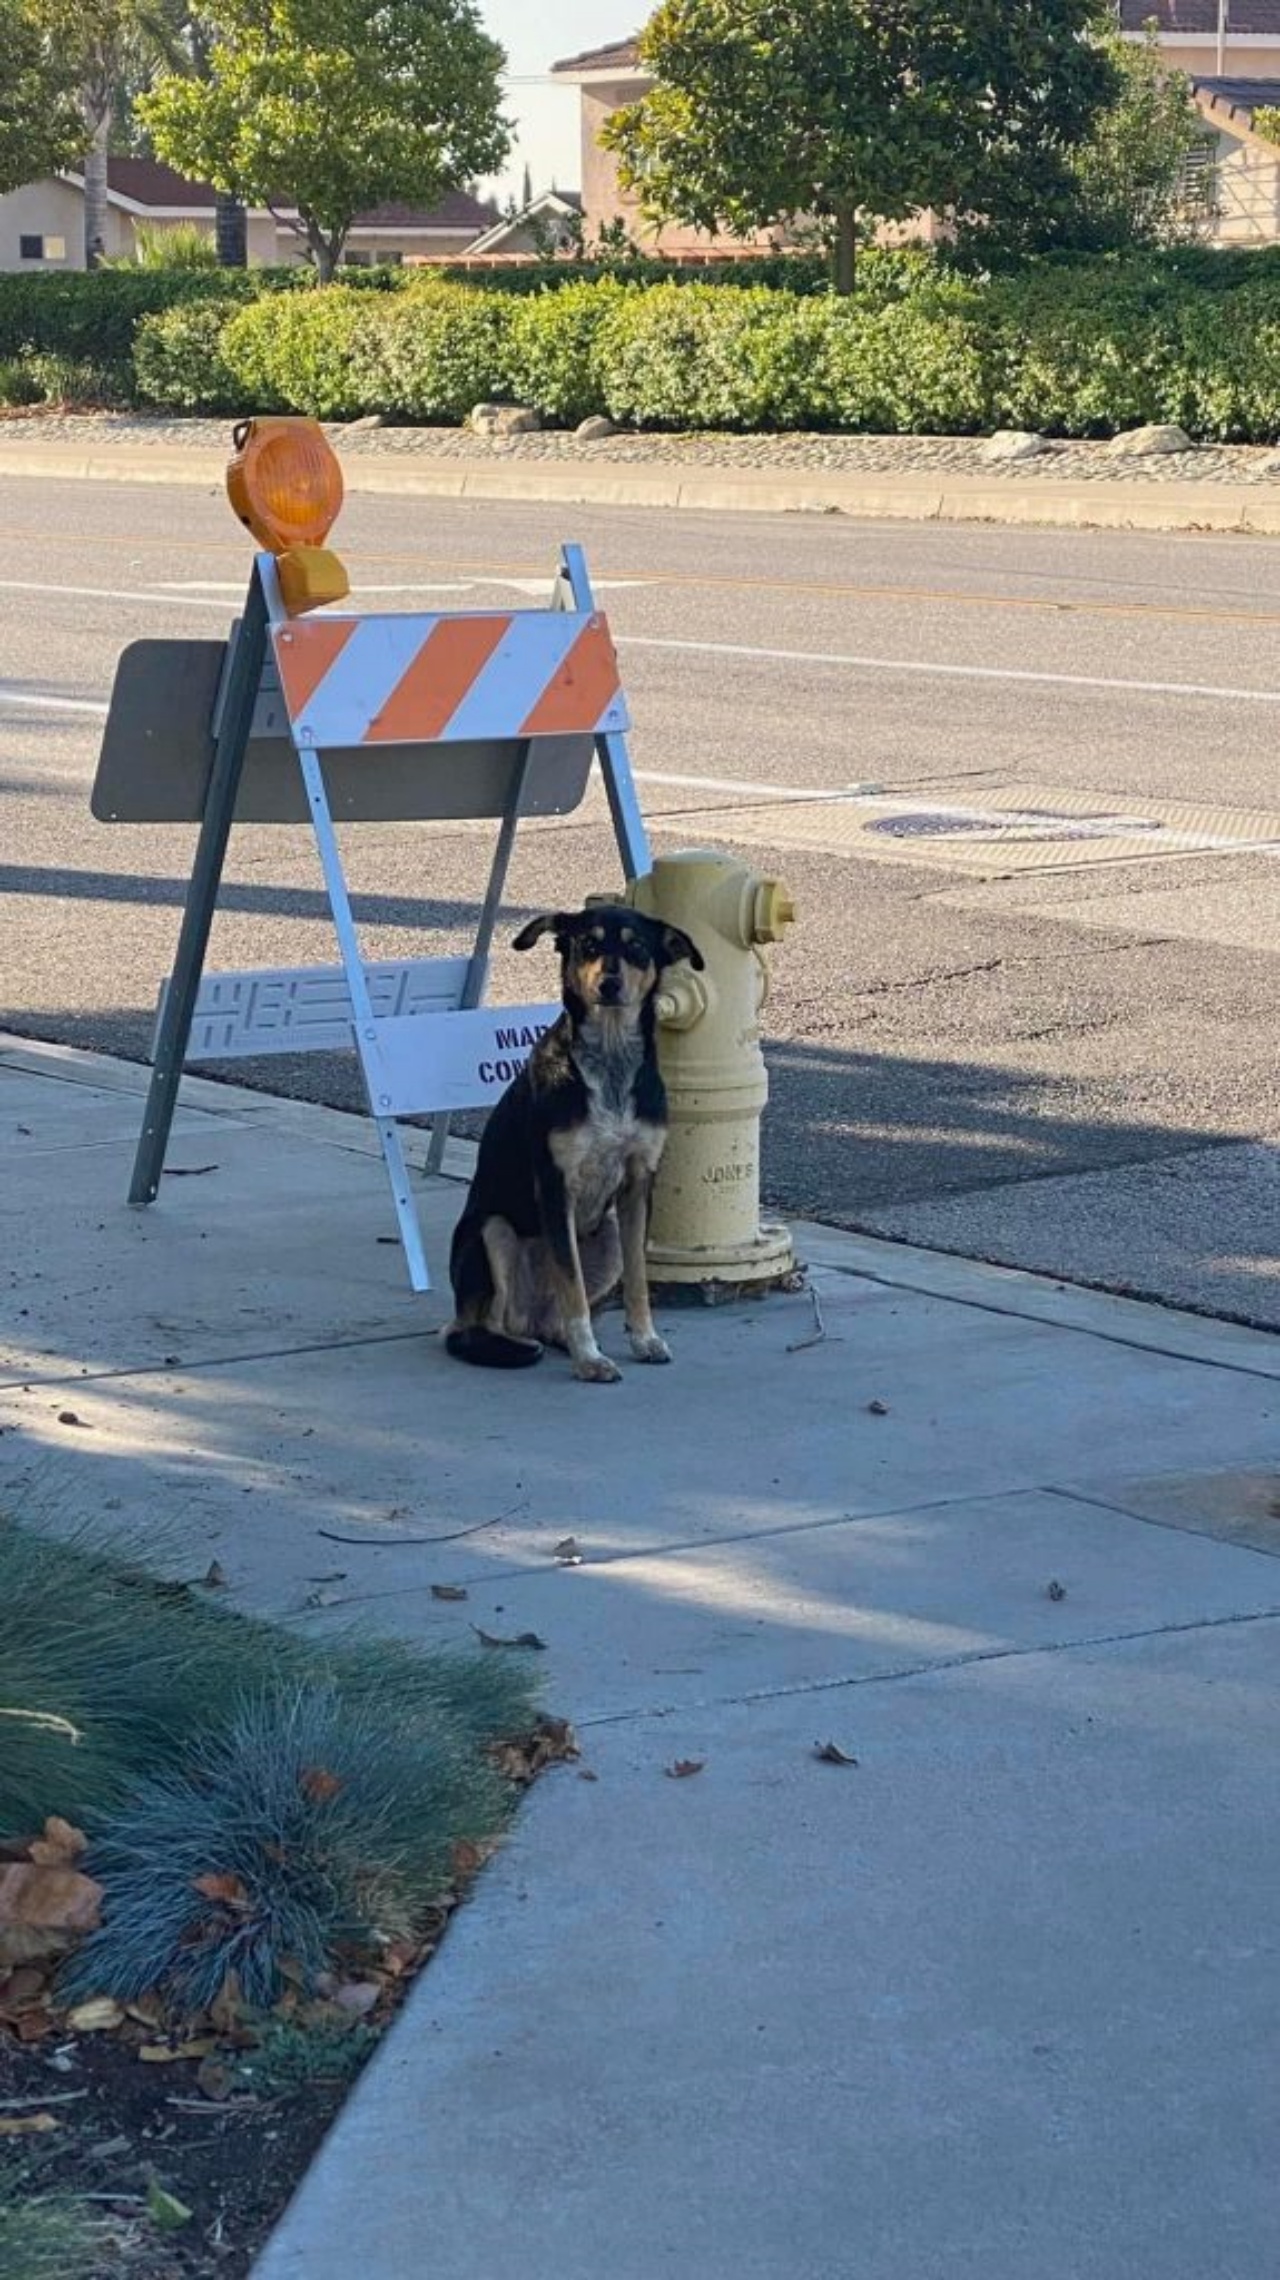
852	110
1127	184
107	46
39	124
323	108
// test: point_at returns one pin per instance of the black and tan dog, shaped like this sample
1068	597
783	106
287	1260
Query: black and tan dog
559	1206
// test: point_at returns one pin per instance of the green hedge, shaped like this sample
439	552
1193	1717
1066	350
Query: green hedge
1074	348
92	317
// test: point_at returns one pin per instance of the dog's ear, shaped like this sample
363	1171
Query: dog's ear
555	922
674	944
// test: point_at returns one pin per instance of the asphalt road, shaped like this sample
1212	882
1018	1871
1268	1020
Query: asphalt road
1051	1043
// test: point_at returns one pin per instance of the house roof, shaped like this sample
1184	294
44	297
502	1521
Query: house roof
619	55
559	204
1231	103
1257	19
147	183
149	187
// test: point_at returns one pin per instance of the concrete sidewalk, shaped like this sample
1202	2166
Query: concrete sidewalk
910	496
1001	1998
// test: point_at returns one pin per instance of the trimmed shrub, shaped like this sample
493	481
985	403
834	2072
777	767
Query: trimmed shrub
677	357
178	358
1077	353
553	341
294	353
91	317
913	368
432	353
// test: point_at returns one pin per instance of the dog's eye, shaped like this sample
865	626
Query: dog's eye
634	952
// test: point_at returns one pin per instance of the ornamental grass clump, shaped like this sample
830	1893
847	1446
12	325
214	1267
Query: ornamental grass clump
308	1827
110	1675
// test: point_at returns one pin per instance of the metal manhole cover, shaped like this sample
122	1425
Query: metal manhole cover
1012	828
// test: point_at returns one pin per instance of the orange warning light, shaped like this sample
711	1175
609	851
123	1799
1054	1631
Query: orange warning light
284	482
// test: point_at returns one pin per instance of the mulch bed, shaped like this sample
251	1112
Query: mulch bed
185	2139
233	2165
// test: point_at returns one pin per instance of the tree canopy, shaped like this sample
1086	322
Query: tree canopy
328	108
764	110
40	126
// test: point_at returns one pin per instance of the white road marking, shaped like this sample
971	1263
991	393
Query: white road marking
113	594
851	660
39	702
758	788
952	672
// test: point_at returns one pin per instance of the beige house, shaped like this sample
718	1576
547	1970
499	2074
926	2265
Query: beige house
1230	50
42	225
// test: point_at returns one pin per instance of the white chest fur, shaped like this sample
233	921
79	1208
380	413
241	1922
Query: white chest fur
595	1156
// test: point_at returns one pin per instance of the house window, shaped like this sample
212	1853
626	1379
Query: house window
390	260
55	249
355	260
31	249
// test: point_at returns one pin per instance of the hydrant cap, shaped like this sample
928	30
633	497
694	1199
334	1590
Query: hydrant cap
775	910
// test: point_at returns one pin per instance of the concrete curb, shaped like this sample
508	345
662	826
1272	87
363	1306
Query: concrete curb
942	1275
1103	505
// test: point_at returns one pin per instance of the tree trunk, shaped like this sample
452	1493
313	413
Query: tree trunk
95	192
846	249
325	251
231	231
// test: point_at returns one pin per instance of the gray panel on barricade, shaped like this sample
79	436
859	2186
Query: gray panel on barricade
157	751
307	1009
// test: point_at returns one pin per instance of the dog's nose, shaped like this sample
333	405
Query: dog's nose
610	989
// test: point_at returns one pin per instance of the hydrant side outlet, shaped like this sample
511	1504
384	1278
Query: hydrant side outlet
706	1227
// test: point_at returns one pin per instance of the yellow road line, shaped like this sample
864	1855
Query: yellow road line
934	596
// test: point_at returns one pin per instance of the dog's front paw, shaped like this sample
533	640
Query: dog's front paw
647	1346
597	1369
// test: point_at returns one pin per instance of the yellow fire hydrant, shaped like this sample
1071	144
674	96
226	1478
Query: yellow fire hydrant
706	1227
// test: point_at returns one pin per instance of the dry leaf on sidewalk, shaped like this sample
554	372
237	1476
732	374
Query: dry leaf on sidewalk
830	1753
567	1553
522	1639
448	1591
683	1767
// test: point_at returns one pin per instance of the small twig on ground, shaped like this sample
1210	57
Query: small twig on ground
59	2098
377	1543
798	1345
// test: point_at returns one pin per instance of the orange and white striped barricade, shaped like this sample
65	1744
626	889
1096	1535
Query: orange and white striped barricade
341	717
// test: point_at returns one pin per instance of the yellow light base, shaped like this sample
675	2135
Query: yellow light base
310	576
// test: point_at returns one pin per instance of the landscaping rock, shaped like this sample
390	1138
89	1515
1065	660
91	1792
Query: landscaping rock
505	419
595	430
1148	442
370	420
1008	445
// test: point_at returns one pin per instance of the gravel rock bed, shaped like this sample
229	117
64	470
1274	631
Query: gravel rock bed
874	455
